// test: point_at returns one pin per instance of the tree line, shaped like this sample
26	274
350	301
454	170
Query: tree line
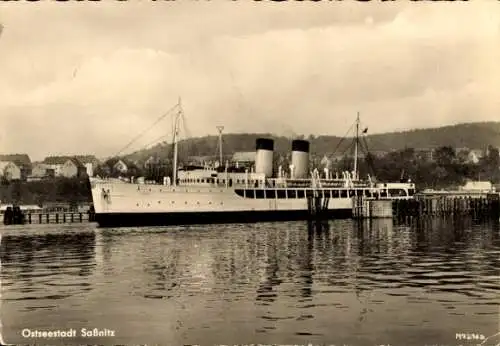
63	190
445	170
470	135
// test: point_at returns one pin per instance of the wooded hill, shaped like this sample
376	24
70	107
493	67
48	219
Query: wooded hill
468	135
447	170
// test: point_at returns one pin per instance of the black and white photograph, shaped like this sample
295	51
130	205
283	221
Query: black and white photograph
250	173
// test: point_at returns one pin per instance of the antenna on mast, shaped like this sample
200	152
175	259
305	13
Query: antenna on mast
220	129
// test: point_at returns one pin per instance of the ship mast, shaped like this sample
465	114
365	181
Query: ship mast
356	149
175	140
220	129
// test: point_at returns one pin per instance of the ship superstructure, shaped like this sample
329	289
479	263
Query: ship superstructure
201	195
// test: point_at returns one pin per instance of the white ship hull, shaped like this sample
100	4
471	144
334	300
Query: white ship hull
201	195
125	204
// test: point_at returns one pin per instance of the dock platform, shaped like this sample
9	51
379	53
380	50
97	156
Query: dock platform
476	206
372	208
485	206
50	218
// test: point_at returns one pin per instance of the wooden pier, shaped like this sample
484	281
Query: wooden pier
371	208
60	217
52	218
477	207
440	206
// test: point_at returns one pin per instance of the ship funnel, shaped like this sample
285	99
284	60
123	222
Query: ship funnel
264	156
300	158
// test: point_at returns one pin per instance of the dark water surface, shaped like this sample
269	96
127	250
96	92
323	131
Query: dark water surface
359	283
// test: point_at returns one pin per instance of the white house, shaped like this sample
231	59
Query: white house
55	163
477	186
474	156
9	170
90	162
89	167
72	168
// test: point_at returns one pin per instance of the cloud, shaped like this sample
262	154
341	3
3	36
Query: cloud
98	76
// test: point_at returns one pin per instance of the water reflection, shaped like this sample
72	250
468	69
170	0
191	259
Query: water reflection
373	253
46	266
267	290
354	282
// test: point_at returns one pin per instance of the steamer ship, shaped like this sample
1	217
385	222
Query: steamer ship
204	195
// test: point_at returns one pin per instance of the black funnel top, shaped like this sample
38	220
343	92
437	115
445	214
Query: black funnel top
300	145
264	144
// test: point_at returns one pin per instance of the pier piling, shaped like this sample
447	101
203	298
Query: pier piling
372	208
317	208
477	207
46	218
445	206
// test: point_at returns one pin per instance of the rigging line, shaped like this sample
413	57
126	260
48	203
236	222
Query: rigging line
365	143
179	125
369	157
378	144
149	128
163	137
342	139
348	147
183	124
156	140
176	118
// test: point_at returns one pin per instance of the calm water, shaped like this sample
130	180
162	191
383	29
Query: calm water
366	283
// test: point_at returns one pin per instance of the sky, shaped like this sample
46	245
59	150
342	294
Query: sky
86	78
